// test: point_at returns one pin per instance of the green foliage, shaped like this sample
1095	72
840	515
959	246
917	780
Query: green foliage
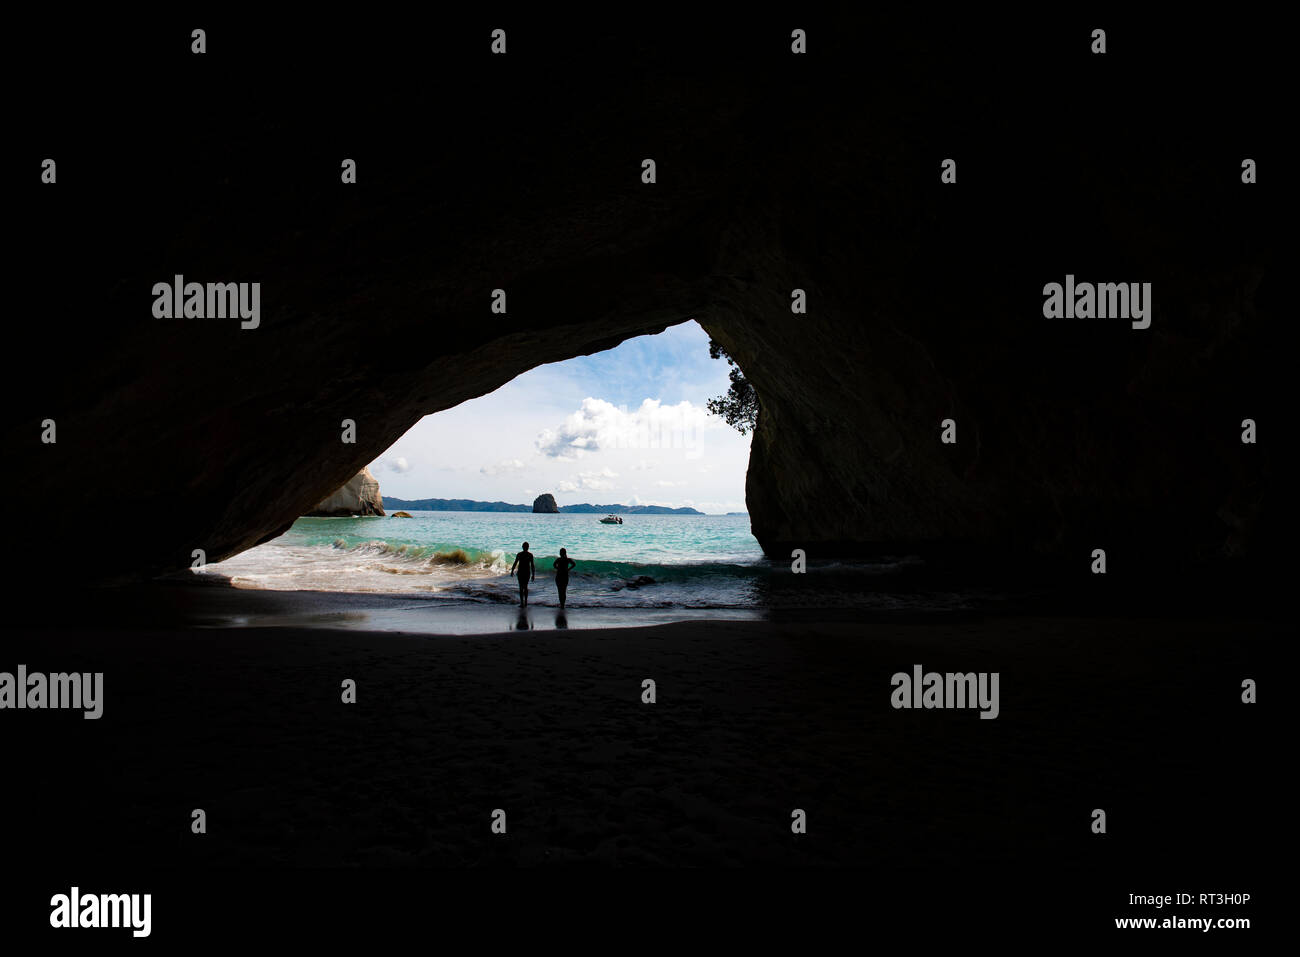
739	407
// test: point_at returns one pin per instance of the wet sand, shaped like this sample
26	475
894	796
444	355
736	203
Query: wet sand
753	719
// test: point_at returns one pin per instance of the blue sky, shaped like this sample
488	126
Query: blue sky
627	425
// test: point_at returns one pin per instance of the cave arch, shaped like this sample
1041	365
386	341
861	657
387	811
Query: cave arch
375	296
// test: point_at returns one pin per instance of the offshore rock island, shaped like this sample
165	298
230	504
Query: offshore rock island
542	504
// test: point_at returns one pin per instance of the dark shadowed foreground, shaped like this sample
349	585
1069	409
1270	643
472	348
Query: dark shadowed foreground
753	719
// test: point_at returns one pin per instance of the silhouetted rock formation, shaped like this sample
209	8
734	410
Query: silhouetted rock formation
470	505
359	496
545	503
775	172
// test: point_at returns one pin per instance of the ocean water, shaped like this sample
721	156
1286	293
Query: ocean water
650	561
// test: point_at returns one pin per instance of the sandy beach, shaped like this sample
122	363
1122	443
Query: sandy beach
752	720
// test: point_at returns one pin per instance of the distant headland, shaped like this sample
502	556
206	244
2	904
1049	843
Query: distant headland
469	505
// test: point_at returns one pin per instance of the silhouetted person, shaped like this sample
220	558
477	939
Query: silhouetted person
527	572
562	566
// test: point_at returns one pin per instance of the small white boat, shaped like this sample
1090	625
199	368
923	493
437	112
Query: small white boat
611	520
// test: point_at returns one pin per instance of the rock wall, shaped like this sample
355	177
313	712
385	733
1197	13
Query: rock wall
775	172
358	496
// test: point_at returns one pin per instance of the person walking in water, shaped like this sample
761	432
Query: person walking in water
562	566
527	572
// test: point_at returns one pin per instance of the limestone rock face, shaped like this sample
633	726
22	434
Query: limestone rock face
358	496
775	172
545	503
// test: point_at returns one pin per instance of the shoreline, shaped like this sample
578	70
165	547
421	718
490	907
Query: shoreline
752	719
184	602
216	604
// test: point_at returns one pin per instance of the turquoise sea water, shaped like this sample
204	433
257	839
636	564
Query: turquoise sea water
650	561
644	539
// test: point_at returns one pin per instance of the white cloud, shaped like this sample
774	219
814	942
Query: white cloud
665	484
487	437
596	481
400	465
637	499
510	465
602	425
720	508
